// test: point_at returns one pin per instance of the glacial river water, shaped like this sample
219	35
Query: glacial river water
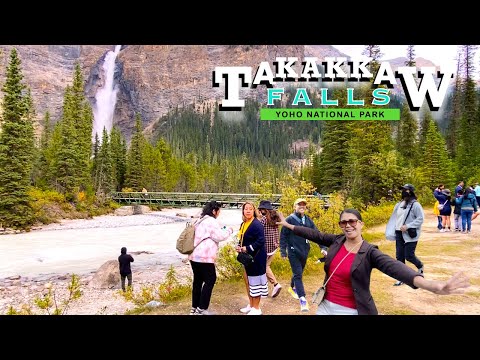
82	246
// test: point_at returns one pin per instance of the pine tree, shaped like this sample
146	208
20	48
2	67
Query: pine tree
119	157
453	129
135	157
467	153
374	53
42	167
410	56
16	149
435	164
104	175
407	141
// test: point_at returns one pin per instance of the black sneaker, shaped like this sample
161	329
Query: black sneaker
398	283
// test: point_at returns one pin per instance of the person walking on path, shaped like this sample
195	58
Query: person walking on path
349	264
272	238
208	233
405	227
297	248
124	261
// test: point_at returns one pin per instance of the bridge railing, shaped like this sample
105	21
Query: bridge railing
175	199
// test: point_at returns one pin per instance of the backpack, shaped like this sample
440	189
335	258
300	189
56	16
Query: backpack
186	238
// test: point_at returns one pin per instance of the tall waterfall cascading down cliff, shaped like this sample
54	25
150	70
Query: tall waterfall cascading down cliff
106	97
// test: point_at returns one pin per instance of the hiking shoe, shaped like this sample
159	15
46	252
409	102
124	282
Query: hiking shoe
398	283
303	304
203	312
254	311
293	292
246	309
276	290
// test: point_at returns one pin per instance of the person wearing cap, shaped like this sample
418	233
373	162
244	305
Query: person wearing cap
405	227
349	264
444	198
297	247
272	238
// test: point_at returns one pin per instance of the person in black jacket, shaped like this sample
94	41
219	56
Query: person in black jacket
297	247
349	264
124	261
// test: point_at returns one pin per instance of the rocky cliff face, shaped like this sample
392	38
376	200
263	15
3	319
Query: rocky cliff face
152	79
48	69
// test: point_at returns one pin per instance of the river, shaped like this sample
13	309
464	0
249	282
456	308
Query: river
82	246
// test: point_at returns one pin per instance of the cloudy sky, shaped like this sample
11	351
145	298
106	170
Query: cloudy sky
442	55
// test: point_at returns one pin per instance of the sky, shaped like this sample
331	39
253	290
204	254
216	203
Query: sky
441	55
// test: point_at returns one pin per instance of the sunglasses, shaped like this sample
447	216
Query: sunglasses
351	222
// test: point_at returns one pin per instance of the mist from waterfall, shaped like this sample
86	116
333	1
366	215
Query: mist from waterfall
106	97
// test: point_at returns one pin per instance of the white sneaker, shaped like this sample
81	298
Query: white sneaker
276	290
443	230
246	309
254	311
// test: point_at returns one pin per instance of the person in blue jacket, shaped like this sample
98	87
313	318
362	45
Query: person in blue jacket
468	204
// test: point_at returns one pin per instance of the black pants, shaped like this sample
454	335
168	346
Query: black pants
129	277
406	250
204	278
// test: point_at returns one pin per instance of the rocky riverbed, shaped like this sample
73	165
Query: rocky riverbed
48	257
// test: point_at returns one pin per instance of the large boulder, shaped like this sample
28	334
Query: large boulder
124	211
107	276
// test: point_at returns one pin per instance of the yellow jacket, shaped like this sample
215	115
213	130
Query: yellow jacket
435	208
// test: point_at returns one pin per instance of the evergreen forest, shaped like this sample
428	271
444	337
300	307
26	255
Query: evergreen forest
210	151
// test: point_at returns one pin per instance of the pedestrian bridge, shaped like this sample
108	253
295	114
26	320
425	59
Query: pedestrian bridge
181	199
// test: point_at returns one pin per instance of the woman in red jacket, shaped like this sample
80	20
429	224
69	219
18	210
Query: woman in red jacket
349	264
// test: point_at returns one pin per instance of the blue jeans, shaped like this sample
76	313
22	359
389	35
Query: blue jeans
439	225
467	219
406	250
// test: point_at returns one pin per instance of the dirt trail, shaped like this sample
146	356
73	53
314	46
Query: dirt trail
442	253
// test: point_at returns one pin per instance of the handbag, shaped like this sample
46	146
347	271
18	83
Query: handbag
441	206
320	293
245	258
412	232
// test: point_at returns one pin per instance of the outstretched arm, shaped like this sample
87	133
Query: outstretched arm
284	222
455	285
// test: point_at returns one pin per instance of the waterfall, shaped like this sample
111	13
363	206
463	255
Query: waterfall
106	97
